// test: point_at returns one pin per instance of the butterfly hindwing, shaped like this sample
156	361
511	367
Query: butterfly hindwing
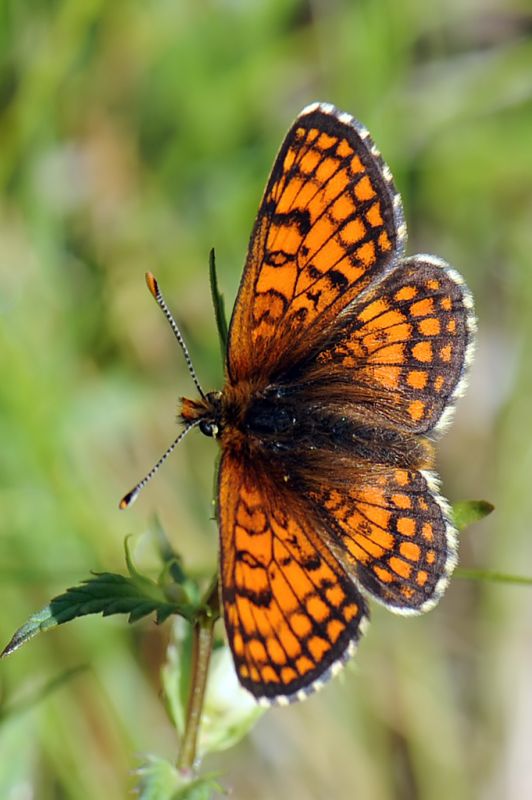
329	224
400	352
395	533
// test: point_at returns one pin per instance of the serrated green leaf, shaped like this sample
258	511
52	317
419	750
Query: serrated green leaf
105	593
163	613
202	788
467	512
160	780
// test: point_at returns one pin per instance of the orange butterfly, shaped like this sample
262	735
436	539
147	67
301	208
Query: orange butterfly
344	360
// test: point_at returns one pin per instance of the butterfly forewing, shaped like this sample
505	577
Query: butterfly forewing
329	224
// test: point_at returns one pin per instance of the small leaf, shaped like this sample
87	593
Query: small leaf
160	780
219	305
138	577
105	593
172	561
467	512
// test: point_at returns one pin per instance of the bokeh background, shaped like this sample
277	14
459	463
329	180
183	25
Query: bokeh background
136	136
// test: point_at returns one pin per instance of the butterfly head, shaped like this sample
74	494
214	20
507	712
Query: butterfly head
206	412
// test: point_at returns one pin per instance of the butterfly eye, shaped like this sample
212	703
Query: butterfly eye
208	427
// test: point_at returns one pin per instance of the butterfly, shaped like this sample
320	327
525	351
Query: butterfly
344	360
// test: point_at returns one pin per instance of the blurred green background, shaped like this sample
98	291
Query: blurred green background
136	136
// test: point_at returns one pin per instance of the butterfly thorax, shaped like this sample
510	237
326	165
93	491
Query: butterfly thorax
219	413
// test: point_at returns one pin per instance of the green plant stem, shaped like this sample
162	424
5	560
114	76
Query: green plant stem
202	643
491	575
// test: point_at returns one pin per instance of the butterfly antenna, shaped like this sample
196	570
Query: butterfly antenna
153	286
131	496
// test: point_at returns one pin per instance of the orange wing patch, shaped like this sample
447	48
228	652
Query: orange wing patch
401	352
292	614
329	224
396	536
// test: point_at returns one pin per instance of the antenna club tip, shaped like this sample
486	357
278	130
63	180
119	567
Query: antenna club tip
152	284
128	499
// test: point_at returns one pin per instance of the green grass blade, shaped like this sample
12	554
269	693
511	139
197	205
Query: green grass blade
219	305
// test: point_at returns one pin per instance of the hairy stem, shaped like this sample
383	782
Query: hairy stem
202	643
